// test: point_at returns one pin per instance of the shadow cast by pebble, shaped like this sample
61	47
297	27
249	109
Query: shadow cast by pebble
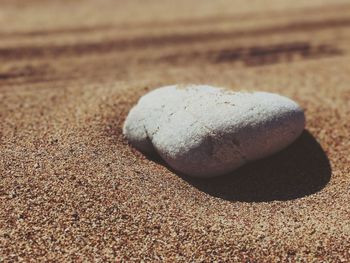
297	171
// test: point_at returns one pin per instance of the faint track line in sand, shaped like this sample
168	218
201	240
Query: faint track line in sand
80	49
246	55
257	55
184	22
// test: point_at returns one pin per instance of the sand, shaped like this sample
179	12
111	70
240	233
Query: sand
71	187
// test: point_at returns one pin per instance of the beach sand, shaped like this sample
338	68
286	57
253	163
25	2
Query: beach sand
72	189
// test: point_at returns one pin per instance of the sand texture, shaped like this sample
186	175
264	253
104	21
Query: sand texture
72	189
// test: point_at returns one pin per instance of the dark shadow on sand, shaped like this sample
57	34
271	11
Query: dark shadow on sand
299	170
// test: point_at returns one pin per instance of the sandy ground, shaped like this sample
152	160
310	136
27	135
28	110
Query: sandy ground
72	189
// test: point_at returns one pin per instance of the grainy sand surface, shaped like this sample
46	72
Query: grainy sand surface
71	188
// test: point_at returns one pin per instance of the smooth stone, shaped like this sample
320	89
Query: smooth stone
204	131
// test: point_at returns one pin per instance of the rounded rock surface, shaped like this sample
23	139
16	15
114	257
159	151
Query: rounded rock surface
205	131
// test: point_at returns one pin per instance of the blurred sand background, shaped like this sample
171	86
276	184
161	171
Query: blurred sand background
71	188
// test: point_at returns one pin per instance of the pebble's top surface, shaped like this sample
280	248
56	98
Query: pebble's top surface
205	131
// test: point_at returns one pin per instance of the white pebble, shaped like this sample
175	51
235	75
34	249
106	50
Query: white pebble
204	131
